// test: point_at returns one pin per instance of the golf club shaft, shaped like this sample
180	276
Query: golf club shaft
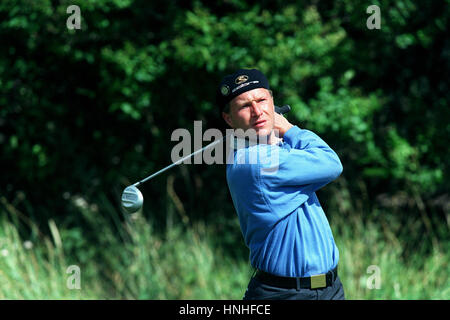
180	160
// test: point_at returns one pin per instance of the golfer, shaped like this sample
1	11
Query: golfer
291	244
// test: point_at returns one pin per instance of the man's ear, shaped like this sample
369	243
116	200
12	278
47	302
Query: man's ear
227	118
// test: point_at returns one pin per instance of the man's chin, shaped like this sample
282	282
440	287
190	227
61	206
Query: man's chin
264	135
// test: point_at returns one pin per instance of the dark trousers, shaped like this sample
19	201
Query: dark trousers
260	291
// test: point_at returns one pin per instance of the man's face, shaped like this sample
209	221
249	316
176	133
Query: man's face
253	109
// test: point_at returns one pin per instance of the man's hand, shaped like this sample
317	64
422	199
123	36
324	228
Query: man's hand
281	124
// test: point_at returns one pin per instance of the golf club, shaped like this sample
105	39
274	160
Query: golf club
132	198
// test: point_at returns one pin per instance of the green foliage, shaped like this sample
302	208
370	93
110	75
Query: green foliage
136	71
131	260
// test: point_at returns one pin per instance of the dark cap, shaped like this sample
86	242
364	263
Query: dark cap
239	82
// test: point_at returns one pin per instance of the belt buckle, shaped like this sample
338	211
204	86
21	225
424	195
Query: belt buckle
318	281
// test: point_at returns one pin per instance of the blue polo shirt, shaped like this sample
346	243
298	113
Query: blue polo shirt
280	216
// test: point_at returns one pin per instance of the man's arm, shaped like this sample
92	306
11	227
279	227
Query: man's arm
308	161
299	169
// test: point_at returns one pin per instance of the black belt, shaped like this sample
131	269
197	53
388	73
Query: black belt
313	282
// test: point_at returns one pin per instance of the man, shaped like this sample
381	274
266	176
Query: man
283	224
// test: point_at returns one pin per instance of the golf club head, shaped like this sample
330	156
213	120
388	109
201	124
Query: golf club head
132	199
282	110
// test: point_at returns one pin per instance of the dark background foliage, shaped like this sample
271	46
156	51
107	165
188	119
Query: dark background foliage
83	113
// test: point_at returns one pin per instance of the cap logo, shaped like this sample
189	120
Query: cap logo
241	79
225	90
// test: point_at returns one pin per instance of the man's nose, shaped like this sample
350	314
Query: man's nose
256	109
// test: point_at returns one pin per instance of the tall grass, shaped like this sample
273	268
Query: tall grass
128	259
365	248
